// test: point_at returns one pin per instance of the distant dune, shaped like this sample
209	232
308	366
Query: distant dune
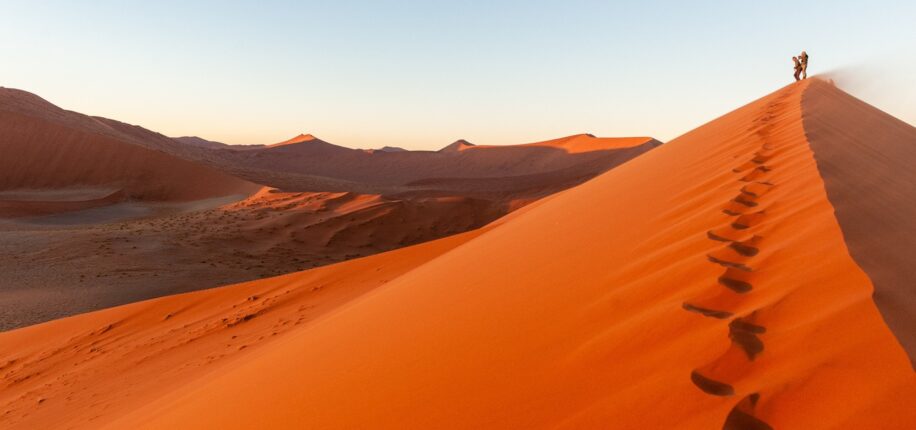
308	163
47	148
117	213
710	283
300	139
392	149
457	146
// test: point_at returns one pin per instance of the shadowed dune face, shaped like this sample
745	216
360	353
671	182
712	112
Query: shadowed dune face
46	148
866	158
61	148
636	300
23	203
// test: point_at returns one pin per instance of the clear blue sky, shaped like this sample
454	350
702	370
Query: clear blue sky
420	74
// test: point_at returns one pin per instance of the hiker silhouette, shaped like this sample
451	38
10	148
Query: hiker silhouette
803	59
801	66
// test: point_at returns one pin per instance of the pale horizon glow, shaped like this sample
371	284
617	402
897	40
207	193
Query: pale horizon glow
420	75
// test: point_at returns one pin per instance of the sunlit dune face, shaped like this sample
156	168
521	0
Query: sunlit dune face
272	199
302	138
579	143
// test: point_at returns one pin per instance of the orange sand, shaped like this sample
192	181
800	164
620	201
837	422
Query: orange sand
705	284
121	358
875	205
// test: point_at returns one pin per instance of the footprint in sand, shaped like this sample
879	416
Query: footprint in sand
710	386
744	332
729	264
742	416
749	220
755	174
707	312
736	280
746	335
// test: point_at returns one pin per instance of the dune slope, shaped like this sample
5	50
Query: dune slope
46	147
73	372
871	182
705	284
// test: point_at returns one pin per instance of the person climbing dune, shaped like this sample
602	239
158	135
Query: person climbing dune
798	67
803	58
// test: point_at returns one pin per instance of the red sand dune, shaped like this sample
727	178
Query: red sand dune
329	224
457	146
705	284
126	213
322	166
55	148
575	144
47	148
875	205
